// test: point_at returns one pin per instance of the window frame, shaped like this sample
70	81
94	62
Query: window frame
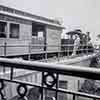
2	21
64	82
10	30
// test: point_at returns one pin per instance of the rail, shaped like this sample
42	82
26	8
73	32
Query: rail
50	75
58	50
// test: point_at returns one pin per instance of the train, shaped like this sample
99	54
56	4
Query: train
30	36
85	45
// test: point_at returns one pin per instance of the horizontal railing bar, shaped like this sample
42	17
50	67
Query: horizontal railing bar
54	89
68	45
69	61
92	73
21	82
79	93
77	59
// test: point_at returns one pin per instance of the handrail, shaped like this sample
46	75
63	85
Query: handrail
84	72
77	59
92	73
58	90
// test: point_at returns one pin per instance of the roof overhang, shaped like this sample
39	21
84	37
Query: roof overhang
31	19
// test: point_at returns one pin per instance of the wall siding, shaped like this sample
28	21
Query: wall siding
53	38
16	46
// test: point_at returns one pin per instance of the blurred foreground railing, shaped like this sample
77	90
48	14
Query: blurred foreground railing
50	74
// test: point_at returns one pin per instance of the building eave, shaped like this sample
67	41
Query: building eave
31	19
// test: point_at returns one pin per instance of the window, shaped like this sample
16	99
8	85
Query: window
63	84
40	34
14	30
38	30
3	29
34	34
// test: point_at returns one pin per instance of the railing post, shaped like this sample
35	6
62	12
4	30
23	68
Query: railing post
5	49
42	84
58	53
46	55
5	54
57	86
11	73
87	49
29	55
67	51
74	96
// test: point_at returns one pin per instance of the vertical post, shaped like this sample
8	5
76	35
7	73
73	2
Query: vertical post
68	50
46	55
77	97
68	47
78	84
87	46
29	55
83	47
88	49
58	53
5	45
5	53
11	73
74	96
57	86
42	94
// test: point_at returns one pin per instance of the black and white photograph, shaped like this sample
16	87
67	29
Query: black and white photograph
49	50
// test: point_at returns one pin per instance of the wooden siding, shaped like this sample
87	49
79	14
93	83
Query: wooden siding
53	35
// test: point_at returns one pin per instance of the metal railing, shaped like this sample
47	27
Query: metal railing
50	76
59	50
47	53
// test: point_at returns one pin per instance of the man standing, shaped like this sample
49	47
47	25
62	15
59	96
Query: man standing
76	44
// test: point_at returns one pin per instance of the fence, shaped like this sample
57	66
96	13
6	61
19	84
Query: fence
59	50
49	80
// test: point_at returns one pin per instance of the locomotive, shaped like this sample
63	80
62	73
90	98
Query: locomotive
85	44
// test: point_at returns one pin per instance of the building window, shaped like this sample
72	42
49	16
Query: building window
40	34
3	26
63	84
14	30
34	34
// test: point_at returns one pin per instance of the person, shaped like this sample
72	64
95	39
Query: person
76	45
88	36
90	47
88	86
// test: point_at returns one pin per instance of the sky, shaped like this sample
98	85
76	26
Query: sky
74	14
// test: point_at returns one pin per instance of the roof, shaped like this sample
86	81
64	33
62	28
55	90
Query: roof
28	16
73	33
80	34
